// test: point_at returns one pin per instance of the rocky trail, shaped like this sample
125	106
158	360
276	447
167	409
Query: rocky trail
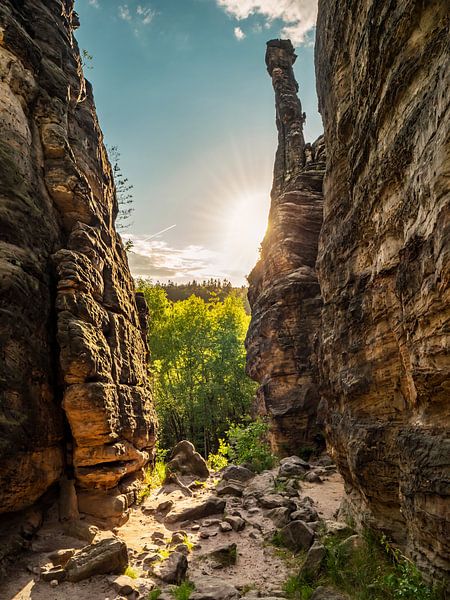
217	533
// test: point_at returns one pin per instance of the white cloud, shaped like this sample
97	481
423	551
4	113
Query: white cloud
94	3
298	15
141	15
124	12
238	33
146	14
156	259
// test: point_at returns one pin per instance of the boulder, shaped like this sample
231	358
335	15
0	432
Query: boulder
230	488
279	516
186	461
261	484
178	537
211	506
173	569
237	523
237	473
123	584
222	591
293	466
273	501
296	535
225	555
164	507
313	477
81	530
307	514
109	555
60	557
314	559
327	593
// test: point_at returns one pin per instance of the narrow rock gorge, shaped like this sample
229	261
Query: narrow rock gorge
284	292
378	367
75	399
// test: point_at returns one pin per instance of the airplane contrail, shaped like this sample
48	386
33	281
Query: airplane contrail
159	233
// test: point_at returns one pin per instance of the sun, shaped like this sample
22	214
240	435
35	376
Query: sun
245	224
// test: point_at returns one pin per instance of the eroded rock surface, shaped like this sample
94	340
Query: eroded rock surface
384	258
284	291
72	340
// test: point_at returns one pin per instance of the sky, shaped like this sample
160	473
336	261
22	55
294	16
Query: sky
182	90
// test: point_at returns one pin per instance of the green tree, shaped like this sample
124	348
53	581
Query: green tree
198	366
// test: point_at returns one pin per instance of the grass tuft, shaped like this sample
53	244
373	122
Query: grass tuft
154	478
131	572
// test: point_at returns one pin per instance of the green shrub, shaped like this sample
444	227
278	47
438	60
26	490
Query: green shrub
248	444
154	478
130	572
372	571
375	570
183	591
219	461
154	594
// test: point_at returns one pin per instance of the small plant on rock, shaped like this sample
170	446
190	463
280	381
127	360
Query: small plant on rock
131	572
154	594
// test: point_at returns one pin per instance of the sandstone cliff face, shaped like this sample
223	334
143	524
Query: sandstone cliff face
75	395
384	256
284	291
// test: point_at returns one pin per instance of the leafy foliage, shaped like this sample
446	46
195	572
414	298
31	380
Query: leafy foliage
86	59
248	444
198	366
219	461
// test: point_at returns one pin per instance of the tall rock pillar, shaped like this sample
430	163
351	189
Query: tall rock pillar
284	292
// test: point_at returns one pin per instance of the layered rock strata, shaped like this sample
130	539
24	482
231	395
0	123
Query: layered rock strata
384	258
73	375
284	291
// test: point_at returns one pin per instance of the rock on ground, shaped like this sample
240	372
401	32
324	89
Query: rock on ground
173	569
186	461
206	508
106	556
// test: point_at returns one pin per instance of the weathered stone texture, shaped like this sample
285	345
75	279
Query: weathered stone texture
284	291
384	256
72	341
